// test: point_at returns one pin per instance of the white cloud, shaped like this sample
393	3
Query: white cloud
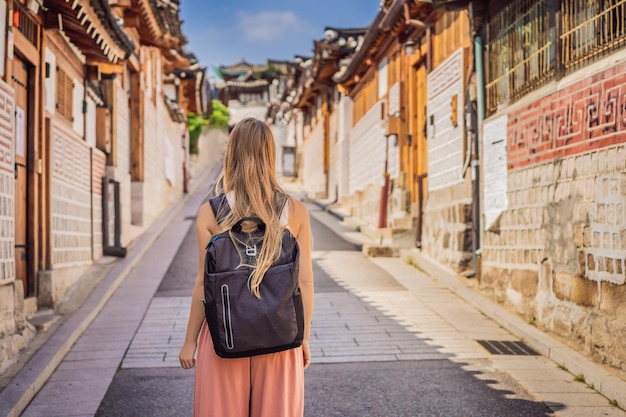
267	26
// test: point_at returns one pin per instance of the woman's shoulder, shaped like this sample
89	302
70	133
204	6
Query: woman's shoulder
205	217
298	213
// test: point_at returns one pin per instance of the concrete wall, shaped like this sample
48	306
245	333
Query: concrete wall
557	250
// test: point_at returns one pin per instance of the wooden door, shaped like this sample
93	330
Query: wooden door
21	80
420	147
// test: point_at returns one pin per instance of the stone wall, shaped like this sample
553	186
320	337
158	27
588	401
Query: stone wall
446	230
557	253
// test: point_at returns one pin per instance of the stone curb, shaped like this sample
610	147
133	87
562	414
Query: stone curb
18	393
602	380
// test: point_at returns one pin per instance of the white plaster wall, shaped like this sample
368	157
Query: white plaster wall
367	152
314	178
343	159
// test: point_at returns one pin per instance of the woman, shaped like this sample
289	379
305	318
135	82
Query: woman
269	385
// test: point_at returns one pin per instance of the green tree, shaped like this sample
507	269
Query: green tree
220	116
196	123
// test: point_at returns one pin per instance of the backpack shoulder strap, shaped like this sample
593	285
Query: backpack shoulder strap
220	207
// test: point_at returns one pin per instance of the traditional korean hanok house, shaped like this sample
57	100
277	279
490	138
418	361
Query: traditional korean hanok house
244	89
149	125
83	39
278	115
52	165
382	137
447	213
287	113
554	152
318	99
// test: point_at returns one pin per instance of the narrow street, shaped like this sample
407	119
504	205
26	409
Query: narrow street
366	363
378	350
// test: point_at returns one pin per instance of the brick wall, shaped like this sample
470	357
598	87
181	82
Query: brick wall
558	251
583	116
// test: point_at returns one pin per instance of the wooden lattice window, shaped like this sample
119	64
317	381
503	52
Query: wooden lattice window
64	94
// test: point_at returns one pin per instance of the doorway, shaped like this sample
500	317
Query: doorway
21	84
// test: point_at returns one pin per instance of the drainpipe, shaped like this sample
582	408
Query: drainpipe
384	192
476	12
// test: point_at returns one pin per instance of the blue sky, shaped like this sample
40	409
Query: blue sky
224	32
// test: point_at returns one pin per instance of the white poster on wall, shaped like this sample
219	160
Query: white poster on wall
494	170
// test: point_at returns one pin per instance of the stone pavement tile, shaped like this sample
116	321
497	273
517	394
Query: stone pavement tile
591	399
86	355
556	386
82	374
552	373
57	392
608	411
353	358
90	344
423	357
89	363
507	363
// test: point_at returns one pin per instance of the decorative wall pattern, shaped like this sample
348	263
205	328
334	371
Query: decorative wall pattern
6	127
71	197
587	115
7	185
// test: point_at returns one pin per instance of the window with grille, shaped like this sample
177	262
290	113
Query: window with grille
64	94
531	42
520	52
591	29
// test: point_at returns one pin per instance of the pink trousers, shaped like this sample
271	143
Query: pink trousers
260	386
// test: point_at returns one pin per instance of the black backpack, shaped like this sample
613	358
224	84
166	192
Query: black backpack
241	324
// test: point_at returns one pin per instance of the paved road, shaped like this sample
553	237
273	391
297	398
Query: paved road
377	350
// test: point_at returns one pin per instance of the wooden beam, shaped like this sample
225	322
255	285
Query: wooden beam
26	48
136	127
107	68
131	19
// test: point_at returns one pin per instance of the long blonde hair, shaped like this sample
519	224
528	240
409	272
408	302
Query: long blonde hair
249	175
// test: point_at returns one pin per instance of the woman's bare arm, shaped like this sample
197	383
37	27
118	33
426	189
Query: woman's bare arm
300	220
205	222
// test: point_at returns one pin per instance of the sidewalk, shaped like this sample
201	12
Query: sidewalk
141	269
585	389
